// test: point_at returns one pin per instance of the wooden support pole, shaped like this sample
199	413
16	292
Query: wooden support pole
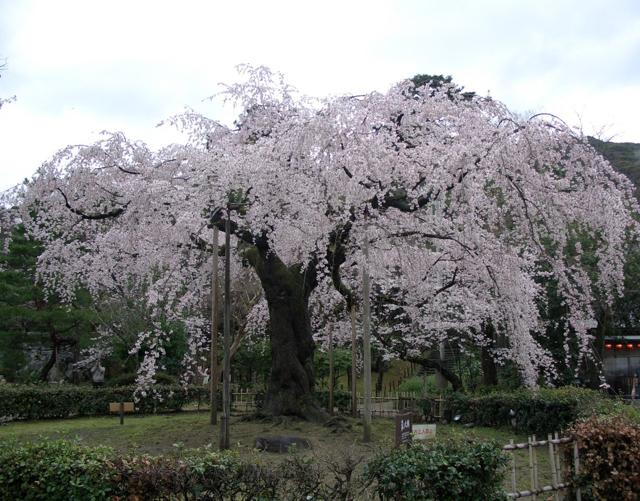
331	377
354	359
213	362
576	469
226	394
366	342
552	466
513	469
531	470
535	465
121	411
558	459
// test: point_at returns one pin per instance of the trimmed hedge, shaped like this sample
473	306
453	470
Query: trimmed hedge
62	401
62	470
54	470
543	411
440	471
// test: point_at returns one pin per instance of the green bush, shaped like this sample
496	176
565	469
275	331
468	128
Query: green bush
543	411
61	470
341	399
439	471
54	471
62	401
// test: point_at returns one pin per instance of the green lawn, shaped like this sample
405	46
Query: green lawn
157	434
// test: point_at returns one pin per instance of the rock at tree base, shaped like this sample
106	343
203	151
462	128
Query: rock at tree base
282	444
338	424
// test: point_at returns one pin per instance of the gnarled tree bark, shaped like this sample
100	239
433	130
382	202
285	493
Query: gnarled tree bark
287	290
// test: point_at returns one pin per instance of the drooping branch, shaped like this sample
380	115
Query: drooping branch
96	216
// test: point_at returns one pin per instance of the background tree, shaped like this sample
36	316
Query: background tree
29	319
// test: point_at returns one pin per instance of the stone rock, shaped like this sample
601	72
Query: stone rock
338	424
282	444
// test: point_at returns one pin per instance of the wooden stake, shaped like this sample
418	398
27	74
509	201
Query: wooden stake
552	466
213	362
226	393
576	469
532	468
331	372
558	460
354	372
513	469
366	342
535	465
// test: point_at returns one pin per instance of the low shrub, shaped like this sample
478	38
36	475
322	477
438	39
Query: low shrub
62	401
62	470
609	450
543	411
55	470
341	399
439	471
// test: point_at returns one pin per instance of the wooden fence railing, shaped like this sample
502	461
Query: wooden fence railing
389	404
525	455
243	400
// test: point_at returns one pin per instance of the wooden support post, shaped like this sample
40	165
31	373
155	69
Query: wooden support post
366	342
558	460
121	411
552	466
513	469
354	372
535	464
213	362
531	470
331	377
576	469
226	394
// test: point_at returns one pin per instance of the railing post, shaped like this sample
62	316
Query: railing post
576	469
552	465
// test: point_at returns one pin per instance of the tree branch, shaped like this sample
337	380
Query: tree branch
95	217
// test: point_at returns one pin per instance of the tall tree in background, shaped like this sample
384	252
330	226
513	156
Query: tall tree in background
30	320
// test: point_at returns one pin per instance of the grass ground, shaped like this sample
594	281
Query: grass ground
165	433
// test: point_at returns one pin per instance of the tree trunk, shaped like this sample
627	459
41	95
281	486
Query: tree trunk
380	368
287	289
44	372
489	368
57	342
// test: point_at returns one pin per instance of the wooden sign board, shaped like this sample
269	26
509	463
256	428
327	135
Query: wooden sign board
403	429
114	407
424	431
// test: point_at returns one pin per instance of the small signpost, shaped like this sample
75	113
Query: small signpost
403	429
424	431
121	408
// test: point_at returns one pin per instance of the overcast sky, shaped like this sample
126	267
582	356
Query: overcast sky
79	67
